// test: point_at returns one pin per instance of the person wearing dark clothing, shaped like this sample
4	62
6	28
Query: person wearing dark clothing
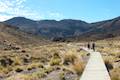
93	46
88	45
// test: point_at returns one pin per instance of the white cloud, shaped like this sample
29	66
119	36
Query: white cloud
5	17
12	8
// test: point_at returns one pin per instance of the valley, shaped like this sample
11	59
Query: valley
28	54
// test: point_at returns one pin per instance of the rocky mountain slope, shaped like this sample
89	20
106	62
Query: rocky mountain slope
11	36
50	28
103	30
69	28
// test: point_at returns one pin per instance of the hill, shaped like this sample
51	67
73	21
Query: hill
11	36
50	28
103	30
69	28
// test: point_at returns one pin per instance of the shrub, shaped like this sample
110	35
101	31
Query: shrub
22	77
5	70
17	60
56	60
115	78
69	58
38	74
19	70
78	67
23	51
48	69
10	61
5	62
115	74
25	60
108	65
62	76
34	66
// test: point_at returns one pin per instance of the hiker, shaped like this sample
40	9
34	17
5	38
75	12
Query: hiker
88	45
93	46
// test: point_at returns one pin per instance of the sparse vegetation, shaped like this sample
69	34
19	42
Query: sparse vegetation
39	62
110	50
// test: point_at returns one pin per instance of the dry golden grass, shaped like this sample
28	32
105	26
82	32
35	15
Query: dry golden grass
56	59
115	74
34	76
108	64
69	58
45	59
78	67
110	50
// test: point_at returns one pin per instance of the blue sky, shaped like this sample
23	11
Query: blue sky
86	10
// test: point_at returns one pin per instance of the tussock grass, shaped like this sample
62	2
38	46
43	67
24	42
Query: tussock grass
78	66
56	59
109	65
110	50
40	61
69	57
115	74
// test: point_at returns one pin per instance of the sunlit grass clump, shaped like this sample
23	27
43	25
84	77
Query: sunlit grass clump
78	66
56	59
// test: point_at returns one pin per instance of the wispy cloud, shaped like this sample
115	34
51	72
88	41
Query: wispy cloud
12	8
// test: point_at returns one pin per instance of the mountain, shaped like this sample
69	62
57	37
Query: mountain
50	28
23	24
69	28
103	30
11	36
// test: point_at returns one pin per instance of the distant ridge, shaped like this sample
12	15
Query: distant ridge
50	28
103	30
68	28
